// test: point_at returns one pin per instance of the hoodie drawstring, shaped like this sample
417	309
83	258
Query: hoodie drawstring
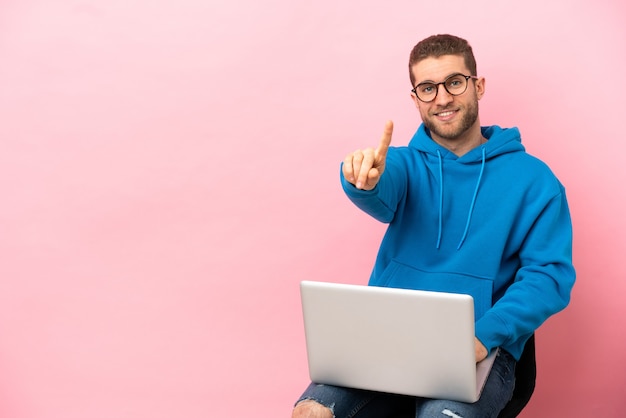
440	199
469	215
471	209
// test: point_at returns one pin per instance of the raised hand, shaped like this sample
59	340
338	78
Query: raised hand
363	168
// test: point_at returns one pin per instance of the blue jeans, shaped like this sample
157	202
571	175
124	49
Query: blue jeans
356	403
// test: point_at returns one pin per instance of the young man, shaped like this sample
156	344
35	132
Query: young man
469	211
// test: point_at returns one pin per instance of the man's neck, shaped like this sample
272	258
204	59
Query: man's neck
463	144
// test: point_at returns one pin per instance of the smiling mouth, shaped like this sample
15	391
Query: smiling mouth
446	115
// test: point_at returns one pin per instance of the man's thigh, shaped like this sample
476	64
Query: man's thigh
497	392
357	403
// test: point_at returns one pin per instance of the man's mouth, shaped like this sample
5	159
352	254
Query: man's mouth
445	115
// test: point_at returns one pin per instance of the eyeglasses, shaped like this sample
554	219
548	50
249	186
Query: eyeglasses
455	84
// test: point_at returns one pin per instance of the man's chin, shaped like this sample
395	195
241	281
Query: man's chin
451	130
449	133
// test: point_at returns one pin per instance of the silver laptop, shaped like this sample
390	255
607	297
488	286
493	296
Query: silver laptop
408	342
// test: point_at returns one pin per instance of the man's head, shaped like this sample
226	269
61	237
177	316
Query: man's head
446	90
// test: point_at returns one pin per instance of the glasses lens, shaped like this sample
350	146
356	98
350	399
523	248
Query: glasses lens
426	91
456	84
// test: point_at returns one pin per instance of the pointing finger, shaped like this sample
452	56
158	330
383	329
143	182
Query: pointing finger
385	141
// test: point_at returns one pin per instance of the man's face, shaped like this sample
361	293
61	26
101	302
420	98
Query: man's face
448	117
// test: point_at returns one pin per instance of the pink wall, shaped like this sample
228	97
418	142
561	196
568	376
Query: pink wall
169	173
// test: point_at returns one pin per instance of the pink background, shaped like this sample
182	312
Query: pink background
169	173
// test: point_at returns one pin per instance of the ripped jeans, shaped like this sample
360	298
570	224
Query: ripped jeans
356	403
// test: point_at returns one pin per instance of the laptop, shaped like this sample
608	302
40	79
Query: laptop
408	342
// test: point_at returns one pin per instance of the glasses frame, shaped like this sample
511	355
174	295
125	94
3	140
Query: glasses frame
467	77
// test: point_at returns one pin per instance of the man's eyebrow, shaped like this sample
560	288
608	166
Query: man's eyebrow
444	79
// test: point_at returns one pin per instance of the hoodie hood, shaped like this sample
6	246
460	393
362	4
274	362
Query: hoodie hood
499	141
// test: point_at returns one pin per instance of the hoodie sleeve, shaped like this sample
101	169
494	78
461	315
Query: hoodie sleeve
381	202
542	285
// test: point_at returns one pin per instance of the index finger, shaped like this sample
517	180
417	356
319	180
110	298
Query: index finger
385	141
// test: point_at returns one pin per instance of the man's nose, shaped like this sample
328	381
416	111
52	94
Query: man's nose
443	97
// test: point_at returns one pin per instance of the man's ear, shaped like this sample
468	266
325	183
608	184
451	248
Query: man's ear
480	87
415	100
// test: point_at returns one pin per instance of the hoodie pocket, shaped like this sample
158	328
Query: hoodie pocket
406	277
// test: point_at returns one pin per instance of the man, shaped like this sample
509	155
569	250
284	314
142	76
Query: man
469	211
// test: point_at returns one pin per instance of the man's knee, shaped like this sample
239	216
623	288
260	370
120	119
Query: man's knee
311	409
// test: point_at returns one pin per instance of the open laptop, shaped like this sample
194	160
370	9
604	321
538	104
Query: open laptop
408	342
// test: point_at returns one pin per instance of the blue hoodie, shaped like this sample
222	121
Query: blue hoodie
493	223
